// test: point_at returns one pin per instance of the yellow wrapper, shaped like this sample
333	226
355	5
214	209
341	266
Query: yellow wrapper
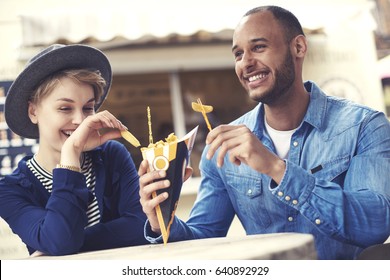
173	157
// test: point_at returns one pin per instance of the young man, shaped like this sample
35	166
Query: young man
300	161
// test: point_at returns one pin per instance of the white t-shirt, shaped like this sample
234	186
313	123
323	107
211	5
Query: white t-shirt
281	140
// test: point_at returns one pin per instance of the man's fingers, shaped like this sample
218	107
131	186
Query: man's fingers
146	177
221	129
148	184
218	136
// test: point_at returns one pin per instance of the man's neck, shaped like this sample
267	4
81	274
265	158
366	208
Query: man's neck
288	115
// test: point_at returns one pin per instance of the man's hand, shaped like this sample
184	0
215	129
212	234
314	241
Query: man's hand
242	146
150	182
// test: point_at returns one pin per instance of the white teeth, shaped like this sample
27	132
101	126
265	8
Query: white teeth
69	133
256	77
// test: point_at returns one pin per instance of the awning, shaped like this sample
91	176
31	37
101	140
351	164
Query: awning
144	21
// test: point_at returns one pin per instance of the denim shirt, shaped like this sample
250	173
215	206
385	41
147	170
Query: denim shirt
336	185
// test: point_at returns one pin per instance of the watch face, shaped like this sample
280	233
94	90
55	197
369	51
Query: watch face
344	88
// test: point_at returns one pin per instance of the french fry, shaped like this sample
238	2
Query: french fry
130	138
199	107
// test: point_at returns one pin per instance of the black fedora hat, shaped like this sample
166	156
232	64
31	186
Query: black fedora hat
49	61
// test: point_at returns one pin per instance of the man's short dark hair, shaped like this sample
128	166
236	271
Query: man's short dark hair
288	20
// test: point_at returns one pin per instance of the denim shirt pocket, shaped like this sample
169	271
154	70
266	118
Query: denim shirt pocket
334	169
249	198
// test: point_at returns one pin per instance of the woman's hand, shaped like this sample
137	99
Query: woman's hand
87	137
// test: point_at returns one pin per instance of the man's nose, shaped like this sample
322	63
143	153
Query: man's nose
247	61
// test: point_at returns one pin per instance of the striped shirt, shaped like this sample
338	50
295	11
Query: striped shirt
46	178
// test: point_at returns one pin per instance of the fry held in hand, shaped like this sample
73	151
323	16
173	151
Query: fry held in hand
130	138
199	107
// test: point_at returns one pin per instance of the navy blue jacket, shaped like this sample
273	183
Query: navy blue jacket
55	223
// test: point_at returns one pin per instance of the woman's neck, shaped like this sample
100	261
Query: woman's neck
47	161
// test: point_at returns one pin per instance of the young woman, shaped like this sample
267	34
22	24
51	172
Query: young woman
79	192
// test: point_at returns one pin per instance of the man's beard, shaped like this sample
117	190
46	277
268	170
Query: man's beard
284	78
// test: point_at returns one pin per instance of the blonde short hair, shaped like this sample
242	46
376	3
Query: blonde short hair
84	76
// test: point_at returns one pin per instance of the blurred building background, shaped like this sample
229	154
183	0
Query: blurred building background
166	54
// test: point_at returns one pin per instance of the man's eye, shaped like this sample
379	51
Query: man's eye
237	54
259	47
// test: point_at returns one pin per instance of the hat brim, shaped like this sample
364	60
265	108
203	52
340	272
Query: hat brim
66	57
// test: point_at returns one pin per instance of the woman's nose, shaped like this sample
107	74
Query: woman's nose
78	117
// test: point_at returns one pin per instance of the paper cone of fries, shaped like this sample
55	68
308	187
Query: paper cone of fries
173	157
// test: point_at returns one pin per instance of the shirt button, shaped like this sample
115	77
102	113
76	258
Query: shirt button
280	193
295	202
287	198
290	219
249	192
295	143
318	221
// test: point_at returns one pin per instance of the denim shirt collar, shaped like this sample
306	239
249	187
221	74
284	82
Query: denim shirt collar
315	114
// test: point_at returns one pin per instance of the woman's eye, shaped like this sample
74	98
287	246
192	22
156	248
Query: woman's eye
65	109
89	109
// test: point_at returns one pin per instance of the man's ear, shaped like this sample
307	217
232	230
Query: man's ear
300	46
32	108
